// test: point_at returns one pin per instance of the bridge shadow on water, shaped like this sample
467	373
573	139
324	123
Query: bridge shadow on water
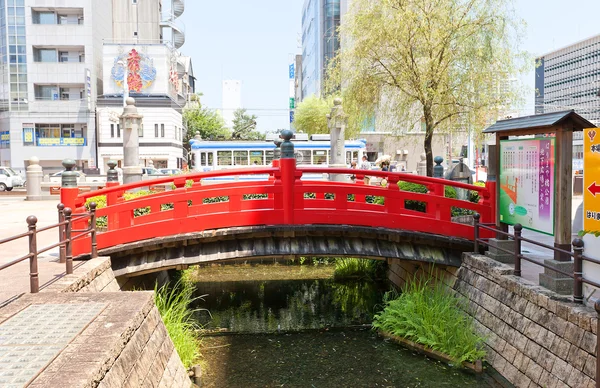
308	333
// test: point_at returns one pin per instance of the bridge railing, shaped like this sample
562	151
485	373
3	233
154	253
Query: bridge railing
284	198
66	238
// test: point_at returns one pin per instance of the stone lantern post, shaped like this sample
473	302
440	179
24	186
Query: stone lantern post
131	122
336	121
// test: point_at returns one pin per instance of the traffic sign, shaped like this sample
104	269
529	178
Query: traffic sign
591	179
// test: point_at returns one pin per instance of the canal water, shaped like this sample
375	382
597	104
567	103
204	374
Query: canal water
295	331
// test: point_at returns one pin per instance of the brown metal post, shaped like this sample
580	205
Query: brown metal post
34	281
69	243
518	231
597	307
577	270
61	233
476	218
93	230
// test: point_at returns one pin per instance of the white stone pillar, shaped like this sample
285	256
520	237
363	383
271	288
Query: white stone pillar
34	178
337	128
130	123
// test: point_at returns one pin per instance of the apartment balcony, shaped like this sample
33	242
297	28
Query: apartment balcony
57	72
178	8
53	107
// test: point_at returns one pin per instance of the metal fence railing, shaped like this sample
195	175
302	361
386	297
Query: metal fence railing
67	235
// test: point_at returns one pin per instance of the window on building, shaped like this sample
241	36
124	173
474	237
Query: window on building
162	130
133	1
65	94
112	130
81	57
44	55
68	130
63	56
62	19
43	17
118	130
80	19
45	92
155	130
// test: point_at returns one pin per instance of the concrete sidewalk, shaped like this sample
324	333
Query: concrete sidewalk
14	210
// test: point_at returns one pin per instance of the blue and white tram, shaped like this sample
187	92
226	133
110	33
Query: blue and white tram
217	155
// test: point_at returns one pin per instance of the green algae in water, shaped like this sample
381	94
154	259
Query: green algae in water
325	359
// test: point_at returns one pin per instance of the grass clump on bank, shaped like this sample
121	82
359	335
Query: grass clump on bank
352	268
173	303
431	316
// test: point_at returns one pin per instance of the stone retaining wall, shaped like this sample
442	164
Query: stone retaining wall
534	336
95	275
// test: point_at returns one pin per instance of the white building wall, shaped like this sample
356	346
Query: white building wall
163	151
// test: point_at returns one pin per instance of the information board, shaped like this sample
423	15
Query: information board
591	179
527	183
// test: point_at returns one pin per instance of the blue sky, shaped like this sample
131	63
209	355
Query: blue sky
254	41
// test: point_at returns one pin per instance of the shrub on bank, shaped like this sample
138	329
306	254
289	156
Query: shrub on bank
173	303
431	316
353	268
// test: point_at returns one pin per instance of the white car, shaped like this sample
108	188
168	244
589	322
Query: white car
57	176
10	179
170	171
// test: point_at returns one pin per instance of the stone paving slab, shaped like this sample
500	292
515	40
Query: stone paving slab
54	340
33	337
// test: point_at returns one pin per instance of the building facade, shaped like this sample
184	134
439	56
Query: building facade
56	70
569	78
51	71
320	42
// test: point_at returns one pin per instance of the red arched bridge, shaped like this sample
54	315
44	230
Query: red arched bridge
282	200
280	213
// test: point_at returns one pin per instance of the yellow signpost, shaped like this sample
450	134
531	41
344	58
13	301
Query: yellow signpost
591	179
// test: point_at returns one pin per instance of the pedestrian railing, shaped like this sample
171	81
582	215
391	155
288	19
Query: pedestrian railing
517	237
67	235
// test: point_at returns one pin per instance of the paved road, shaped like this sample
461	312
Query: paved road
14	211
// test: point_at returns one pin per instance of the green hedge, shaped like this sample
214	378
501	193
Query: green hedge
449	192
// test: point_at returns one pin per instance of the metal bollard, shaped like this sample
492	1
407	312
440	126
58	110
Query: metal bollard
476	218
577	270
94	250
69	242
518	231
61	233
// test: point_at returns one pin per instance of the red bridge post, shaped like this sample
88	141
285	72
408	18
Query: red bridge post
287	164
112	179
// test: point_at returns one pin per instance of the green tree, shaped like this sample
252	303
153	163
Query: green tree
440	61
244	125
207	122
311	115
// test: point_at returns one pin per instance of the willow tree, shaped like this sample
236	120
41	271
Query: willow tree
311	115
439	61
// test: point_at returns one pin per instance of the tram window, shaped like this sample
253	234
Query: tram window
268	157
328	156
258	157
319	157
210	158
224	158
348	157
302	156
240	158
355	156
203	158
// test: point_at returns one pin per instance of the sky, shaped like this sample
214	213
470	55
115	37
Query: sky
254	41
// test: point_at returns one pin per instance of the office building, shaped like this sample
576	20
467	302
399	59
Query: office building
568	78
58	56
320	42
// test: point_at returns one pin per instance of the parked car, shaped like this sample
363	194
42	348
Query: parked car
151	171
57	176
170	171
10	179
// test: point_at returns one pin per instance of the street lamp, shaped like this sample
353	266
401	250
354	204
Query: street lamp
125	85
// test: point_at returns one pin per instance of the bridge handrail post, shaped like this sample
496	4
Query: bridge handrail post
94	245
61	233
68	242
476	218
518	232
578	270
34	281
287	166
490	200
